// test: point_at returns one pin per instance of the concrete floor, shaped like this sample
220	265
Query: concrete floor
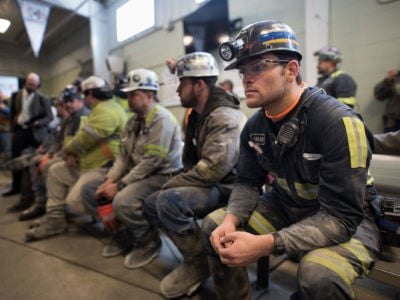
70	266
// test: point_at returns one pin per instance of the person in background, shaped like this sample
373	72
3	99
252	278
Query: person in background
5	134
73	114
318	210
333	80
90	152
120	82
389	89
151	151
30	117
209	157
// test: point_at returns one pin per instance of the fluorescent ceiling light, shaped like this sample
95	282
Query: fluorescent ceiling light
4	24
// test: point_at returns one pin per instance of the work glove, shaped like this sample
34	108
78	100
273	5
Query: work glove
106	215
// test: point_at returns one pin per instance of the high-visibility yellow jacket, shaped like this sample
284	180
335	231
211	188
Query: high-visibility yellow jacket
98	141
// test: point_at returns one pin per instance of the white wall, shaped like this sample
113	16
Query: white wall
368	33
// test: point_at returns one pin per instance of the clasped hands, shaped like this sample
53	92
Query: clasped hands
239	248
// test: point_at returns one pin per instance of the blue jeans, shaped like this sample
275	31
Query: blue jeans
176	209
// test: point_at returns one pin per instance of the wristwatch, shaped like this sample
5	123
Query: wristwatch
279	247
120	185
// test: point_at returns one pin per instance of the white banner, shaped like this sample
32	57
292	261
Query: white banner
35	18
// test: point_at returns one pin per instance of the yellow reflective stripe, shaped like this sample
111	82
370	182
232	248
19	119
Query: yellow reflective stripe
306	191
283	184
348	100
359	251
281	41
217	216
151	115
260	224
157	150
336	73
357	142
370	179
334	262
207	170
83	120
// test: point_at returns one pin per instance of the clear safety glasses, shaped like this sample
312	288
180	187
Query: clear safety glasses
260	66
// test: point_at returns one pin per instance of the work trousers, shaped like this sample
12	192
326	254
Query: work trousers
177	209
64	185
323	273
39	181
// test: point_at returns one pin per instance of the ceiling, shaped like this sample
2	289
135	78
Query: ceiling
61	25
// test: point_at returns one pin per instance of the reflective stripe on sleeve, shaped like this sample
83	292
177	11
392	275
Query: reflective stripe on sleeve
357	142
157	150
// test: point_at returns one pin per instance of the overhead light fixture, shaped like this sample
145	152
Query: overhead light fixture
187	40
4	24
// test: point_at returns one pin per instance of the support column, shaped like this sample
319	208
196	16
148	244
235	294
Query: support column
316	35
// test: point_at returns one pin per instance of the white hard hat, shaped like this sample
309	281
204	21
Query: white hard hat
197	64
94	82
141	79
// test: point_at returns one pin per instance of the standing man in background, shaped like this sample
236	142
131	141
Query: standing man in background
30	116
389	89
334	81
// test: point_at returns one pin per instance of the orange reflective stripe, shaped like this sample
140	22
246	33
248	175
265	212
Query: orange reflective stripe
106	150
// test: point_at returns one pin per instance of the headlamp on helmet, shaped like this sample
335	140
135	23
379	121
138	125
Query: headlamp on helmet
259	38
229	49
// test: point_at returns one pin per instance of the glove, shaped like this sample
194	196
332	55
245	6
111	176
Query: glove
106	215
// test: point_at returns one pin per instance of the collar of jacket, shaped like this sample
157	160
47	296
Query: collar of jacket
219	97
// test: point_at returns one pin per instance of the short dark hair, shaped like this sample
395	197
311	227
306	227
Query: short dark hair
288	55
101	94
210	81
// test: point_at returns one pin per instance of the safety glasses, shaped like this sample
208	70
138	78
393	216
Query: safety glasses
260	66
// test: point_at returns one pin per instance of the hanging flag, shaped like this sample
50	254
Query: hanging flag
35	16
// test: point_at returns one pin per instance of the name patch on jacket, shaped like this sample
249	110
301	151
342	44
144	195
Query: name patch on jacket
258	138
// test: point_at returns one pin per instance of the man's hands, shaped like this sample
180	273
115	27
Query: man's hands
239	248
71	160
107	189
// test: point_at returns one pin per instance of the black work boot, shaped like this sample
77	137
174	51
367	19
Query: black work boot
32	212
230	283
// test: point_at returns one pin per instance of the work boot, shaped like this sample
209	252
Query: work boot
54	224
121	241
189	275
230	283
185	279
142	254
32	212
